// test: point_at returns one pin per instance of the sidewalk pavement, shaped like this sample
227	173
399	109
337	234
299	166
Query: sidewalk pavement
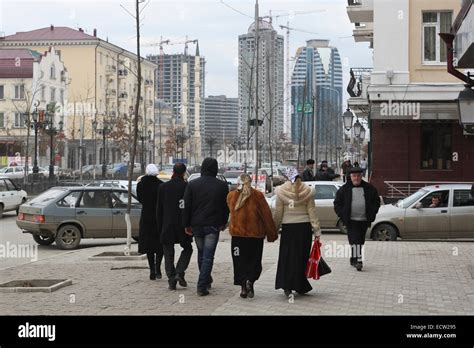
399	278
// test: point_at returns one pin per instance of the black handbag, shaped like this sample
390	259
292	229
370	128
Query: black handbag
323	267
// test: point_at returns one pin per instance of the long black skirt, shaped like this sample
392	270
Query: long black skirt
247	259
295	248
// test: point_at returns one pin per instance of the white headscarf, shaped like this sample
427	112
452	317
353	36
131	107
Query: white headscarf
151	170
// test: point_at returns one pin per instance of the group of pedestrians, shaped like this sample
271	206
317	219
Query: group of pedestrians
323	173
176	212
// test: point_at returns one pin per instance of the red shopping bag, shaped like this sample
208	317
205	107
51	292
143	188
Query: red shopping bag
313	262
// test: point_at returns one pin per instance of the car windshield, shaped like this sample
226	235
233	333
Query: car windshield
405	203
232	175
47	196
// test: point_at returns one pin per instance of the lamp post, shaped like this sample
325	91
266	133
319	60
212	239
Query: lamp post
37	118
106	128
52	131
142	138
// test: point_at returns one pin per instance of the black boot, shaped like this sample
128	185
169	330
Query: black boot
243	292
158	271
172	283
152	275
250	290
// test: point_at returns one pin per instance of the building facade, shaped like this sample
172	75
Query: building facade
102	91
410	102
270	80
180	81
221	123
30	81
317	83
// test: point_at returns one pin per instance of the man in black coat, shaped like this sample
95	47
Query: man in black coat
357	204
149	238
206	214
325	173
170	224
308	173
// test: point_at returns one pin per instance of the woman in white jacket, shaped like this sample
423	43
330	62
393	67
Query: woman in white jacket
295	212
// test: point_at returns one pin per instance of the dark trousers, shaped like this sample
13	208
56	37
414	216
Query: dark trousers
247	259
154	261
356	234
183	261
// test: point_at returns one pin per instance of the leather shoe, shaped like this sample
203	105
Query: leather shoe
202	292
172	284
182	282
250	291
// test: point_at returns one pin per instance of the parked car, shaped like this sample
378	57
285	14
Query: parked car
66	215
234	166
123	184
88	171
268	180
232	178
278	176
415	217
198	175
324	201
13	172
117	169
11	196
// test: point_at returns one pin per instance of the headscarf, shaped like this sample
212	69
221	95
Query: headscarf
292	174
244	186
151	170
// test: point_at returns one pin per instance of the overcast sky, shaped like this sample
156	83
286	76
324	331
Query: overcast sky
215	25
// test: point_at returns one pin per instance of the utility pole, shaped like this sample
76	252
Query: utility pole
257	46
314	138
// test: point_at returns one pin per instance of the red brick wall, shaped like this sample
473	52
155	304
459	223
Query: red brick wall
396	155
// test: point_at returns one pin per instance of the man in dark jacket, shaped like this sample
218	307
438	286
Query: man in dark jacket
325	173
308	173
170	224
205	215
357	204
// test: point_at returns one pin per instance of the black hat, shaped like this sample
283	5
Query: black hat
310	162
356	170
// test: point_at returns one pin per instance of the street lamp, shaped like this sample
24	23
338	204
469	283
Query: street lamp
36	118
357	129
52	131
106	128
466	108
348	118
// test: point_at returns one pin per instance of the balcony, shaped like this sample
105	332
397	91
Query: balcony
111	93
364	32
360	11
357	89
123	96
148	83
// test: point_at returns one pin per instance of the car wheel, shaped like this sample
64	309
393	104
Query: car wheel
43	239
68	237
385	232
1	211
341	227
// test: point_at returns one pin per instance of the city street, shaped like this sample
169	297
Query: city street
399	278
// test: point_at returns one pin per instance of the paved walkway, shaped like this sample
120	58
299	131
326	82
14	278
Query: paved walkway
399	278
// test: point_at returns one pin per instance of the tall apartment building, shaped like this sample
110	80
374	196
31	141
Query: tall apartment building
270	84
317	82
221	122
102	87
180	82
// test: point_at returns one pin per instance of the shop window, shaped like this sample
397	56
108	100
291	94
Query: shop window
436	147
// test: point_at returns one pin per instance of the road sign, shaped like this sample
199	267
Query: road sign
308	108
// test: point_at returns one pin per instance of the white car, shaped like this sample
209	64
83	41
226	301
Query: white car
13	172
11	197
324	200
123	184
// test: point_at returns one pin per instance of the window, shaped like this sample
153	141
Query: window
100	58
19	120
95	199
20	92
463	198
43	93
120	200
436	146
2	120
10	185
438	198
434	49
2	92
52	72
69	201
325	192
53	94
61	94
3	186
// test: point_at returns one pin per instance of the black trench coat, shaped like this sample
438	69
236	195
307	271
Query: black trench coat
147	194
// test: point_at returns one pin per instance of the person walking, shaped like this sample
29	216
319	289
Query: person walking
149	235
346	166
170	224
357	204
308	173
325	173
205	215
295	212
363	165
250	222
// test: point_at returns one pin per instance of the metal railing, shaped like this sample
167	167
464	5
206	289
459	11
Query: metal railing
406	188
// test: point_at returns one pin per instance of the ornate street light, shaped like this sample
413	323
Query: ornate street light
348	118
357	129
362	133
466	108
